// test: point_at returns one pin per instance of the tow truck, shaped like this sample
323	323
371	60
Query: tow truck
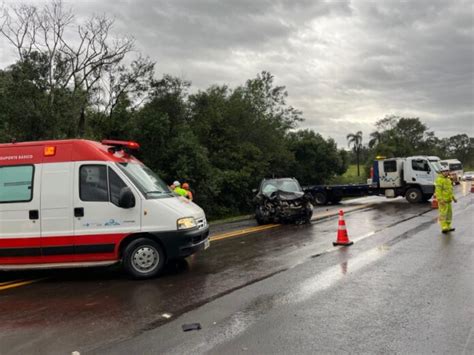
410	177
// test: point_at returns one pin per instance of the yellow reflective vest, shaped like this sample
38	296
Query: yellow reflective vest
444	189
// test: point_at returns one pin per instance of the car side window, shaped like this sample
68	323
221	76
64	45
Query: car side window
116	185
93	183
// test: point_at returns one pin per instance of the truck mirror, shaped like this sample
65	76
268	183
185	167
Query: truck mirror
254	191
126	198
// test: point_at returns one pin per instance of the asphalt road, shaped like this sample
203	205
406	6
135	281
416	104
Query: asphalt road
402	287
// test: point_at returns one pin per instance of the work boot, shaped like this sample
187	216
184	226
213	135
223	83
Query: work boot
444	231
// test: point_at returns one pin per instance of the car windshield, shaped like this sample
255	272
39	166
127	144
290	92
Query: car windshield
149	184
287	185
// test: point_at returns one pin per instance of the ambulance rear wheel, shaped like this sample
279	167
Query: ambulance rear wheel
143	258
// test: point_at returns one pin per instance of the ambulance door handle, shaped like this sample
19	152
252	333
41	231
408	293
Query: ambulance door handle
79	212
34	214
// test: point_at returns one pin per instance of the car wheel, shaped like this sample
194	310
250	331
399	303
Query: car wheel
143	258
413	195
259	216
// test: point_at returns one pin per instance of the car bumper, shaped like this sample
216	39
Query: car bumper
182	243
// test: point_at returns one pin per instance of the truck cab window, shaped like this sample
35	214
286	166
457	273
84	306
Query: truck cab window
93	183
115	186
390	166
16	183
420	165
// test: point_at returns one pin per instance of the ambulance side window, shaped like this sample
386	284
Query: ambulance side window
93	183
16	183
115	186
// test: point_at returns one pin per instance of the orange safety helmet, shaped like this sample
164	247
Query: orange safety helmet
186	186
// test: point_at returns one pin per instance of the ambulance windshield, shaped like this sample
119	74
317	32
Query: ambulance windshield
146	180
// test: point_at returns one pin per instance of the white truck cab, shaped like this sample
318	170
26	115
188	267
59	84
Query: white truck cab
412	177
75	203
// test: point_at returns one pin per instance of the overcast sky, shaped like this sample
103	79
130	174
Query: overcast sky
345	63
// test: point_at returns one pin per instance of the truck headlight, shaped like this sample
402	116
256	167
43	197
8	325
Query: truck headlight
186	223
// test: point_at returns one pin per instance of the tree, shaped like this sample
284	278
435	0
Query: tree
355	139
76	64
316	160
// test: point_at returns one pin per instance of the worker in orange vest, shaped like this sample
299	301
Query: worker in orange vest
189	194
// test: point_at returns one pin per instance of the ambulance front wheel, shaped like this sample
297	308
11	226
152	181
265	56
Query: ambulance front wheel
143	258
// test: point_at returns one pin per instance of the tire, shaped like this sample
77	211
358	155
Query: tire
320	198
259	217
413	195
309	214
143	258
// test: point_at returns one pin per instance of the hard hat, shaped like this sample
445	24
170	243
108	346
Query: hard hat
176	183
185	186
444	168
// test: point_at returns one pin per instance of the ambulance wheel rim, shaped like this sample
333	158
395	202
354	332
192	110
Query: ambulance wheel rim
145	259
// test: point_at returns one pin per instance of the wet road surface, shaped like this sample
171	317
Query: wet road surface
93	309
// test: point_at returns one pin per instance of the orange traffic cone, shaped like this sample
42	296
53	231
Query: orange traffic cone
342	237
434	202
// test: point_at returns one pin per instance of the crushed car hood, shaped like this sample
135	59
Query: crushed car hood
287	196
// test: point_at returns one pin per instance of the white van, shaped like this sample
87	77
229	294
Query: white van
75	203
456	170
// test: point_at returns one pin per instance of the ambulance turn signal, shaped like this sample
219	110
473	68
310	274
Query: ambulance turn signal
49	151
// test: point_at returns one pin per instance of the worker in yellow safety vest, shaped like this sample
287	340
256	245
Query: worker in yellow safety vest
445	195
178	189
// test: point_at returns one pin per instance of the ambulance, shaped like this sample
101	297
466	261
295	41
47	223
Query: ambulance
80	203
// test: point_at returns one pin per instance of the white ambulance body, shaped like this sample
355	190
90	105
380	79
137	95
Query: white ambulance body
75	203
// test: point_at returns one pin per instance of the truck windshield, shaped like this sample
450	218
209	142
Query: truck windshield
436	165
149	184
455	166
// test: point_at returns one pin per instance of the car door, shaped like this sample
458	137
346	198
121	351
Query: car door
422	173
99	223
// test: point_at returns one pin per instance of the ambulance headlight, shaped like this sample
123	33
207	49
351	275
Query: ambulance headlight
186	223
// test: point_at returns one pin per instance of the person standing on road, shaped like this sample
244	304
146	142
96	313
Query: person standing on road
445	195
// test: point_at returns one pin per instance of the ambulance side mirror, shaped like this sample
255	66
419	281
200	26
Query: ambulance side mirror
126	198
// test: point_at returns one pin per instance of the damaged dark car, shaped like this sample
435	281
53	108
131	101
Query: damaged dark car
282	201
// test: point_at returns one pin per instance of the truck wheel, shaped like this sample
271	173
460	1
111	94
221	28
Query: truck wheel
413	195
143	258
320	198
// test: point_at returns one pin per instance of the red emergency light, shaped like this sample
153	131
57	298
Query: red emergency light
120	145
